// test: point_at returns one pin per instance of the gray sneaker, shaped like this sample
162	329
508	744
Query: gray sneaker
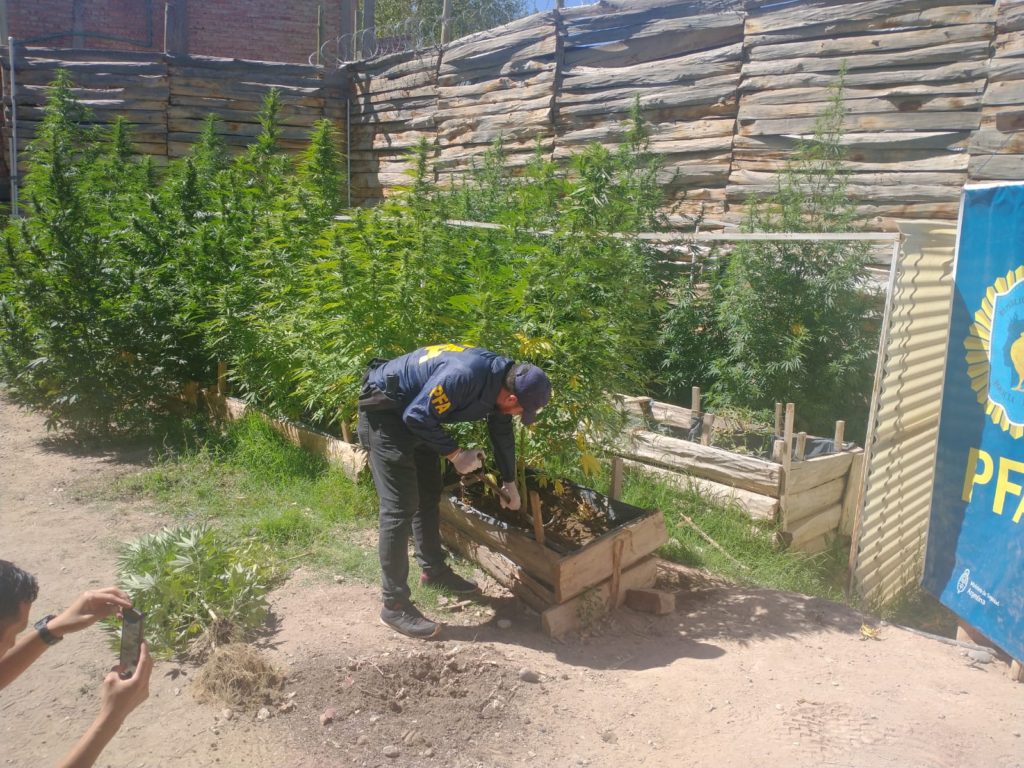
403	616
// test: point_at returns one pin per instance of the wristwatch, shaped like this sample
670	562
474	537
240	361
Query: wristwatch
44	631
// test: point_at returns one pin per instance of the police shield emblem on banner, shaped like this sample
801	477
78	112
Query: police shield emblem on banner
996	352
975	555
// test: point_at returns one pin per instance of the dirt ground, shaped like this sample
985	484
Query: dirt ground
735	677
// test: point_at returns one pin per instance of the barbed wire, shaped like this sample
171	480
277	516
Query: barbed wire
422	30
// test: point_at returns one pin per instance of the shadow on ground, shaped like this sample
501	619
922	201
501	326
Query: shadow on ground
707	612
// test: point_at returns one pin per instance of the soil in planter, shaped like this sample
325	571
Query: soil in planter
573	516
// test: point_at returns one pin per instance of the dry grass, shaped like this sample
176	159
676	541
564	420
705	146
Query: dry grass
239	676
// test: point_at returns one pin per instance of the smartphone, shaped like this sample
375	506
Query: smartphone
131	641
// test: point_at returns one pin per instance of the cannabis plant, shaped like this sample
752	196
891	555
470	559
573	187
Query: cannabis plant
194	580
76	334
798	317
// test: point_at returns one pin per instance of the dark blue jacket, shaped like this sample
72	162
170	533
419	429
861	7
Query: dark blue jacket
448	383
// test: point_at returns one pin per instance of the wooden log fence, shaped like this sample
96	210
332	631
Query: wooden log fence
934	97
812	498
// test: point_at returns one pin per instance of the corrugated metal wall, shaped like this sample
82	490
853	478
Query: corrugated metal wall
897	498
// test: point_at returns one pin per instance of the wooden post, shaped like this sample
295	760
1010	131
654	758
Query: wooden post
347	31
787	439
778	418
801	445
695	400
446	22
1016	671
176	27
615	489
538	521
78	24
222	379
369	28
617	548
837	441
705	429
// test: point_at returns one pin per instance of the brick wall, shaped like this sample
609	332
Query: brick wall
268	30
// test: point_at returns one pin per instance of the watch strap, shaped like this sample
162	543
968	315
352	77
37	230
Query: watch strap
44	631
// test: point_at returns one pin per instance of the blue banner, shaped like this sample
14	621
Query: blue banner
975	556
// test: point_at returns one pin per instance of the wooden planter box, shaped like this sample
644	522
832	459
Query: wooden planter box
568	589
812	498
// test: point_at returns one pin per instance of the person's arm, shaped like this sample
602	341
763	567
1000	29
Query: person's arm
26	650
87	609
502	433
119	697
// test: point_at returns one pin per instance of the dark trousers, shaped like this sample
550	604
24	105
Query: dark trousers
408	479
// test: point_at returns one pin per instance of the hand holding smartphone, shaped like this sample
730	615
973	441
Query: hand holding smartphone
131	641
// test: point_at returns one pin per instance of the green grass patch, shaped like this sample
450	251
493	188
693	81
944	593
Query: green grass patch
251	482
254	484
747	541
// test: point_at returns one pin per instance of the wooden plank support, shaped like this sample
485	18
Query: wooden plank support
837	440
628	543
756	505
511	576
706	425
656	601
520	548
538	520
349	458
582	610
615	489
222	379
801	445
787	440
748	472
798	506
817	471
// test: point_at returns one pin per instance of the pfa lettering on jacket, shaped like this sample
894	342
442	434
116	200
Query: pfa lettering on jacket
439	400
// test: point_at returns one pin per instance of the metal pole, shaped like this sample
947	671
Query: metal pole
319	32
14	135
167	13
348	149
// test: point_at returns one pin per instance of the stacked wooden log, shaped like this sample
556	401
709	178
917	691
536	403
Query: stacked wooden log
107	83
234	89
916	72
813	499
498	84
392	108
997	149
682	61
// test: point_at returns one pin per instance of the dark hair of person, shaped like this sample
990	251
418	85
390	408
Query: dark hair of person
16	587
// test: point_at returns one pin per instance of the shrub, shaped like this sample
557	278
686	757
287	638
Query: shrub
190	581
784	320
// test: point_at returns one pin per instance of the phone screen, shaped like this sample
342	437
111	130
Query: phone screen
131	641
